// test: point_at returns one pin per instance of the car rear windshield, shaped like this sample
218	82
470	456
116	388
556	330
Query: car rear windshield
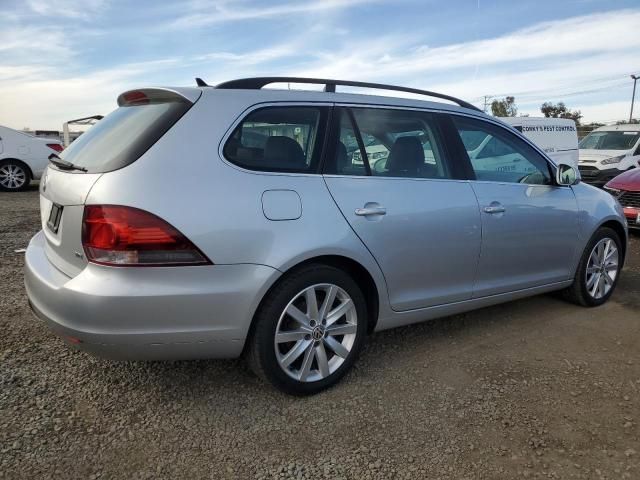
610	140
121	137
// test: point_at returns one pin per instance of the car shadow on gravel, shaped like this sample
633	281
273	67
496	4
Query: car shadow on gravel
384	351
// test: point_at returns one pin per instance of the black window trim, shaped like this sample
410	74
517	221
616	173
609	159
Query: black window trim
444	111
329	133
358	134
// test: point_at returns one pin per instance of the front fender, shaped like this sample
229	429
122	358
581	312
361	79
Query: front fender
595	208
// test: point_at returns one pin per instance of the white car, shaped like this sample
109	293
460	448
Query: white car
23	158
608	151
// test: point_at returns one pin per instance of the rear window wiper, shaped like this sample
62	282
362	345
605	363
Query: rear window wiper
63	164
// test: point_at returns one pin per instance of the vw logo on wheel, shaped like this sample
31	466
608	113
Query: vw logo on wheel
317	334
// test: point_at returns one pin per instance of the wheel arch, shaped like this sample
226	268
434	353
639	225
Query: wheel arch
21	162
362	277
617	227
355	269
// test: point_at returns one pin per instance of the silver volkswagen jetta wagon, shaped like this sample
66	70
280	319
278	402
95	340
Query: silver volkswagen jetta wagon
286	225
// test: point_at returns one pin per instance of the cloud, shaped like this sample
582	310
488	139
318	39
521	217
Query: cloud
215	12
77	9
252	57
48	77
574	37
608	111
34	41
47	101
548	61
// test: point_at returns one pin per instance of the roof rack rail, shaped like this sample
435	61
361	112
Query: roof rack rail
257	83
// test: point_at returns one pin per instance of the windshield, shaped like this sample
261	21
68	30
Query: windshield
617	140
121	137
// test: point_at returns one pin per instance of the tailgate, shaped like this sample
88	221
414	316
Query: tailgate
62	196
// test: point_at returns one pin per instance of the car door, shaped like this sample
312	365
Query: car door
529	224
407	204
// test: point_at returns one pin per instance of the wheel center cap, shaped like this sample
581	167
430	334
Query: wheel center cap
317	333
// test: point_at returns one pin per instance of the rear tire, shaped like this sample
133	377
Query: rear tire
14	176
599	270
309	330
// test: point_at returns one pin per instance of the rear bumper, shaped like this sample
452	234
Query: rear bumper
147	313
597	177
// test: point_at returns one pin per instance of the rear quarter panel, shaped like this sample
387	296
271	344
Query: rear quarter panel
218	206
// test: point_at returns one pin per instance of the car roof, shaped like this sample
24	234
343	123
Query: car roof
537	120
624	127
280	95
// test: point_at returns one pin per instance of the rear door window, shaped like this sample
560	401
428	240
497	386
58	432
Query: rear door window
121	137
278	139
395	143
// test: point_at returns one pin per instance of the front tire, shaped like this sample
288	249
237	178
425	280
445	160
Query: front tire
598	271
309	330
14	176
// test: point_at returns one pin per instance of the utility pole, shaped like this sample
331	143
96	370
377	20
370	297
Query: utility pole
486	102
633	96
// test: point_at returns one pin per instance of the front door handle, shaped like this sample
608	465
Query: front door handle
494	209
364	212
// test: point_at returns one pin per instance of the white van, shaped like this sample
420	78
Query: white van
608	151
558	137
23	158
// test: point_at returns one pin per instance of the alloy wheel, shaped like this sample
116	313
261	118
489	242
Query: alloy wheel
12	176
602	268
316	332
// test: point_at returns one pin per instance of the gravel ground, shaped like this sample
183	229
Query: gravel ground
532	389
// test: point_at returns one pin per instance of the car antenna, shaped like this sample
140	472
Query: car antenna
201	83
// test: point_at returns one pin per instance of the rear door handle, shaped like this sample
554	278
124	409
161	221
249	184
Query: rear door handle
363	212
494	209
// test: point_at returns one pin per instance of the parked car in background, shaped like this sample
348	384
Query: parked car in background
608	151
557	137
274	244
626	188
23	158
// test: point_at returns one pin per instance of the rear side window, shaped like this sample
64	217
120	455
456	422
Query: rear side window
278	139
121	137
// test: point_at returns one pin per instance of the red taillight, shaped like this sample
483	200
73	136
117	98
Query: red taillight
55	146
127	236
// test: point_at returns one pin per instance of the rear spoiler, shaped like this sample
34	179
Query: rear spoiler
145	96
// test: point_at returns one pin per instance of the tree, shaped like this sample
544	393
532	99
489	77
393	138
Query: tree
504	108
560	110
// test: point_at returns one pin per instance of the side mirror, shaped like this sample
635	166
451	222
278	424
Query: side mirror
567	175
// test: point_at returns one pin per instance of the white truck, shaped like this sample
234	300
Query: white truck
558	137
608	151
23	158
